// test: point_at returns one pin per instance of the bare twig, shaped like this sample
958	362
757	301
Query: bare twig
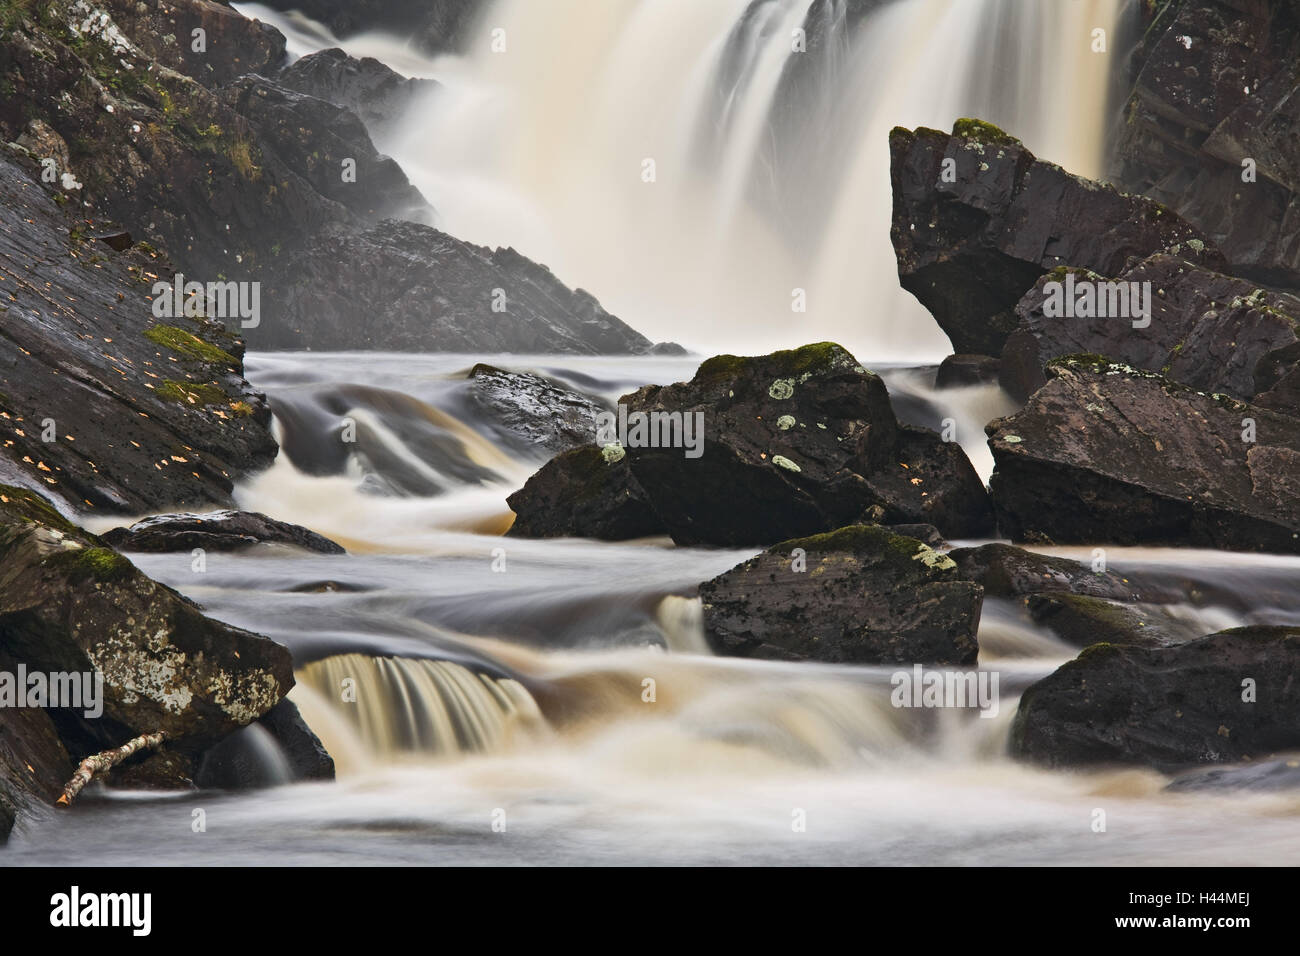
98	763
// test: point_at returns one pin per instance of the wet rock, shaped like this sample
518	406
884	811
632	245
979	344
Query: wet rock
316	139
101	404
215	531
278	748
1262	776
958	371
423	290
1214	84
378	95
34	765
588	492
971	248
925	533
1106	453
1166	707
1082	620
795	443
1206	330
306	755
1007	571
231	45
531	413
860	595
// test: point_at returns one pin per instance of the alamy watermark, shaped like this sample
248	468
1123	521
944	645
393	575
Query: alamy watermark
946	688
82	691
1098	299
213	300
652	430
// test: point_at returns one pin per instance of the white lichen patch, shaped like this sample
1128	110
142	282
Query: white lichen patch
149	668
1012	439
613	453
785	422
246	696
782	462
781	389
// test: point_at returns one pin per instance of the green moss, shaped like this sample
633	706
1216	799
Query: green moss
33	507
188	344
190	393
101	564
802	362
982	132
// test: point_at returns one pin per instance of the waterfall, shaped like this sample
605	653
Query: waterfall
396	705
692	169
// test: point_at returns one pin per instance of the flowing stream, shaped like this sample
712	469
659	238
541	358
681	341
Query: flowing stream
493	700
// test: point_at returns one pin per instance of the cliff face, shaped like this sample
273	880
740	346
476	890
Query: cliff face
1212	127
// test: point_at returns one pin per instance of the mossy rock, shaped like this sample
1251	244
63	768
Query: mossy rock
983	132
188	344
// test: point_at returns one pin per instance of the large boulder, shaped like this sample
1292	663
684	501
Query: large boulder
1006	571
215	531
1214	85
423	290
101	405
1205	329
1226	697
587	492
1107	453
971	243
159	663
859	595
794	443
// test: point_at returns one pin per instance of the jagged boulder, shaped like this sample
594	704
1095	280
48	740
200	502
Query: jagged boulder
978	219
1107	453
1226	697
1205	329
859	595
215	531
531	413
377	94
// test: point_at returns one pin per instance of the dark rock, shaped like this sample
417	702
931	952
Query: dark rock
140	414
1107	453
1263	776
278	748
866	596
970	249
315	138
958	371
378	95
1214	83
588	492
34	765
1006	571
215	531
1081	620
233	45
1166	707
531	413
423	290
931	481
1207	330
925	533
434	26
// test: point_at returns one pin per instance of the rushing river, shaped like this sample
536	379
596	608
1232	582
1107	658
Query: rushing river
506	687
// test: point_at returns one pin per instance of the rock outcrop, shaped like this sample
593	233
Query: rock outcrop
215	531
978	219
1108	453
101	404
377	94
859	595
1212	127
1226	697
536	416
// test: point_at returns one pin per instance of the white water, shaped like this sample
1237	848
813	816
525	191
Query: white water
541	146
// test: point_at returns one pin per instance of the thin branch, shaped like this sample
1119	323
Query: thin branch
98	763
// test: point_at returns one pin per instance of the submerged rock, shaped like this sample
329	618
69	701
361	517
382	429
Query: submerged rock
531	413
859	595
1264	776
1206	330
971	243
1108	453
163	665
1226	697
588	492
215	531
